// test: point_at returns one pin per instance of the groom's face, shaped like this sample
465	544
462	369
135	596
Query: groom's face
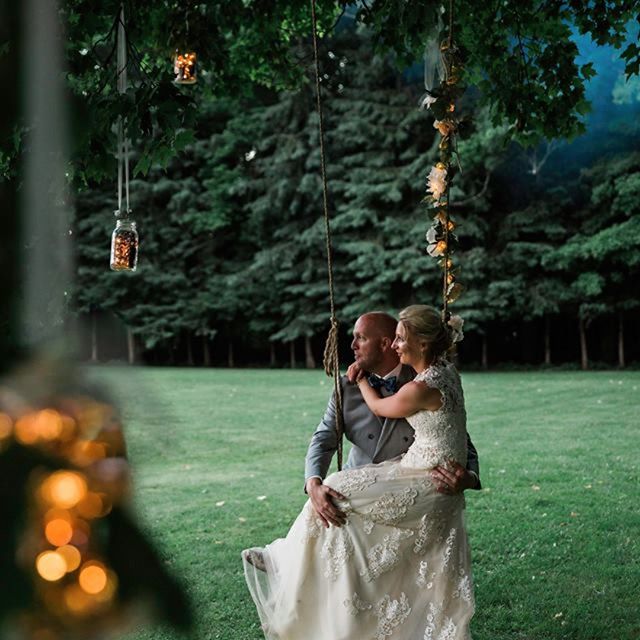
369	344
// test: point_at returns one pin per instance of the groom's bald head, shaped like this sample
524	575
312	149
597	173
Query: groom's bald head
381	323
373	335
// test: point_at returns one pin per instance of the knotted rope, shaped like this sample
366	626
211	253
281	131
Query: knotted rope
331	357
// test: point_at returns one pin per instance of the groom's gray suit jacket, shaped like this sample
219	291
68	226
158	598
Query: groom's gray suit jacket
374	439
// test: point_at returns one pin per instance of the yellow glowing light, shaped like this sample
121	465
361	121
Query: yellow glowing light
26	431
69	428
48	424
51	565
58	532
110	588
6	426
85	452
441	247
64	489
93	577
77	601
91	506
71	557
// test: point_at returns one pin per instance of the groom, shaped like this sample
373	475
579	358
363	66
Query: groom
374	439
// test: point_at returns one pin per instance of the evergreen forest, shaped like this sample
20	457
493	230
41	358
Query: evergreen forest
233	261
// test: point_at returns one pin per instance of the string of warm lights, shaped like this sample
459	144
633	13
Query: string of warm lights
68	504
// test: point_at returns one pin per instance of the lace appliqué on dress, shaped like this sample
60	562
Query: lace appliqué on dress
354	480
384	556
356	604
313	524
425	579
464	589
431	528
447	630
336	550
390	613
391	507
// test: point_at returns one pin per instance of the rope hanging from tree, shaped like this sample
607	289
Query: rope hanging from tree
331	357
440	237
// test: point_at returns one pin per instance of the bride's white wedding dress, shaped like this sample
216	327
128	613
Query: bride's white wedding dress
400	567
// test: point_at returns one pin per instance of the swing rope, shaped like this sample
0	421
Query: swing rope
331	357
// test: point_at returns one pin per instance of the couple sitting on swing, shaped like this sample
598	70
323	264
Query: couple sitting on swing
380	549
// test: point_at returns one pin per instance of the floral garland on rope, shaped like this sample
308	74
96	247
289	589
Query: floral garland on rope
441	239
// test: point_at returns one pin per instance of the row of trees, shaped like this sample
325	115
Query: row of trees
233	251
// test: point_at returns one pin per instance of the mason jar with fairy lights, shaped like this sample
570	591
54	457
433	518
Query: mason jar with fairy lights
184	68
124	243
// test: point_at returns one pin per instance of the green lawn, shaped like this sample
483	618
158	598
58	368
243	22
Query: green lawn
218	466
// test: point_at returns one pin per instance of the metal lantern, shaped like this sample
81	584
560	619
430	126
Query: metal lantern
124	243
184	68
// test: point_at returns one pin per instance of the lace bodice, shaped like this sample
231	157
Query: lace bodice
439	434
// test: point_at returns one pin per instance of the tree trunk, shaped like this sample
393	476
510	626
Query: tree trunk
485	352
292	354
272	354
206	353
621	362
131	346
547	340
94	337
584	355
189	351
230	360
309	360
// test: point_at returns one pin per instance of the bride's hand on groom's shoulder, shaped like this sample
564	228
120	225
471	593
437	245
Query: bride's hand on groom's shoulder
354	373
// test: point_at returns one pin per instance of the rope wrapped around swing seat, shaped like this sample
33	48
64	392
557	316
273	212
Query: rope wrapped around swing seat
331	357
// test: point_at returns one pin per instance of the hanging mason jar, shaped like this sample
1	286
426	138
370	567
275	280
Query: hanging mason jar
184	68
124	243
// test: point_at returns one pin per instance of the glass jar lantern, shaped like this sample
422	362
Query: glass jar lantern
184	68
124	243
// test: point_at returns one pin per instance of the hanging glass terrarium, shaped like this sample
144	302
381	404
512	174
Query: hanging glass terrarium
124	243
184	67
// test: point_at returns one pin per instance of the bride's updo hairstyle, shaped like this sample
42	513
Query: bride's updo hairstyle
425	322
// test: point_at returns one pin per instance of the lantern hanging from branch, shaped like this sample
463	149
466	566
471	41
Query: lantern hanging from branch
124	243
124	239
184	67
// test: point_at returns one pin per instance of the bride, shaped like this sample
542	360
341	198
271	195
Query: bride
400	567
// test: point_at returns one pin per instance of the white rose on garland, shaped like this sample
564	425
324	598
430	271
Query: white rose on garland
437	181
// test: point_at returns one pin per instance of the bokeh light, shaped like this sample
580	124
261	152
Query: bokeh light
6	426
25	431
64	489
58	532
71	555
91	506
85	452
77	601
51	565
93	577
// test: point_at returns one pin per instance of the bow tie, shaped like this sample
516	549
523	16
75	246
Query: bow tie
390	383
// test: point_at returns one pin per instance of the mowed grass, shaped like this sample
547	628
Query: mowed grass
218	466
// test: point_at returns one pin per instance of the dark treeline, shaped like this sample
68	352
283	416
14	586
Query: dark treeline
232	258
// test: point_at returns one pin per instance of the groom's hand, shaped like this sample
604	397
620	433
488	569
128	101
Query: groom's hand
453	479
320	496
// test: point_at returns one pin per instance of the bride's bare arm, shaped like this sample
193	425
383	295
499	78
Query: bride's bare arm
411	397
